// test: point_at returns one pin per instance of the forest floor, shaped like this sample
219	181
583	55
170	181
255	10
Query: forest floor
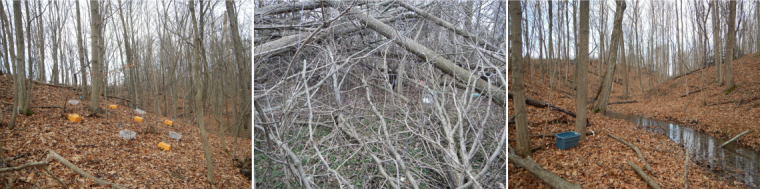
600	160
710	110
94	145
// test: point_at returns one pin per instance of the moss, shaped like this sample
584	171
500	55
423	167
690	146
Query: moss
596	110
730	90
29	113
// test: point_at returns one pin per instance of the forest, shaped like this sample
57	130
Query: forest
126	94
633	94
380	94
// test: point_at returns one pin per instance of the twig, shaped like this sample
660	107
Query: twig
732	139
24	166
81	172
635	149
644	176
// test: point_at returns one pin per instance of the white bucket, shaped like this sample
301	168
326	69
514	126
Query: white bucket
73	102
127	134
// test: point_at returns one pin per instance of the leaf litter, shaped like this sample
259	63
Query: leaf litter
95	146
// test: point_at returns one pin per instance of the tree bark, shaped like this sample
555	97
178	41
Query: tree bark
96	44
730	45
582	79
617	33
20	61
523	142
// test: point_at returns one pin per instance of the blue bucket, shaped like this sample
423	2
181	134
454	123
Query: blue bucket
567	140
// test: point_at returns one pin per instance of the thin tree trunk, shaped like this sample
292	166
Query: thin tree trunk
80	45
199	59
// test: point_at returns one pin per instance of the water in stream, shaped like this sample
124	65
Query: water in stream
735	162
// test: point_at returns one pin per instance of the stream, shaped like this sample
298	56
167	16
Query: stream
732	162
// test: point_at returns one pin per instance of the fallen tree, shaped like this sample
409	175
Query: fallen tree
441	63
644	176
623	102
549	178
687	94
733	139
635	149
538	103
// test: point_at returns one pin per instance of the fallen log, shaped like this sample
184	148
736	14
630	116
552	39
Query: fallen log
635	149
81	172
553	134
549	178
623	102
537	103
24	166
733	139
644	176
687	94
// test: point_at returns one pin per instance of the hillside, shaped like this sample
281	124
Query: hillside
710	109
600	160
94	145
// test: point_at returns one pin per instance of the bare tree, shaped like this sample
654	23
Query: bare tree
617	35
96	43
199	59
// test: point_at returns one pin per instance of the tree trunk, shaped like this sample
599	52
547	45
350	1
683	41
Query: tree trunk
617	33
730	45
241	61
96	44
41	71
199	59
582	80
549	178
626	68
523	142
718	44
80	46
20	88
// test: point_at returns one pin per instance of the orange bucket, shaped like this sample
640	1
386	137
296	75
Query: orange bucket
138	119
75	118
167	122
165	146
112	106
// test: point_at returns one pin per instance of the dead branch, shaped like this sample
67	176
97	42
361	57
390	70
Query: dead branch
537	103
549	178
644	176
440	63
635	149
81	172
687	94
623	102
733	139
24	166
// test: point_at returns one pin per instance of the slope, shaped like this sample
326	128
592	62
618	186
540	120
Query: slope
600	161
95	146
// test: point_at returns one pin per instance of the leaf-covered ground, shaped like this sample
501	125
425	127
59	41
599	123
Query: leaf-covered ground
600	161
95	146
710	110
